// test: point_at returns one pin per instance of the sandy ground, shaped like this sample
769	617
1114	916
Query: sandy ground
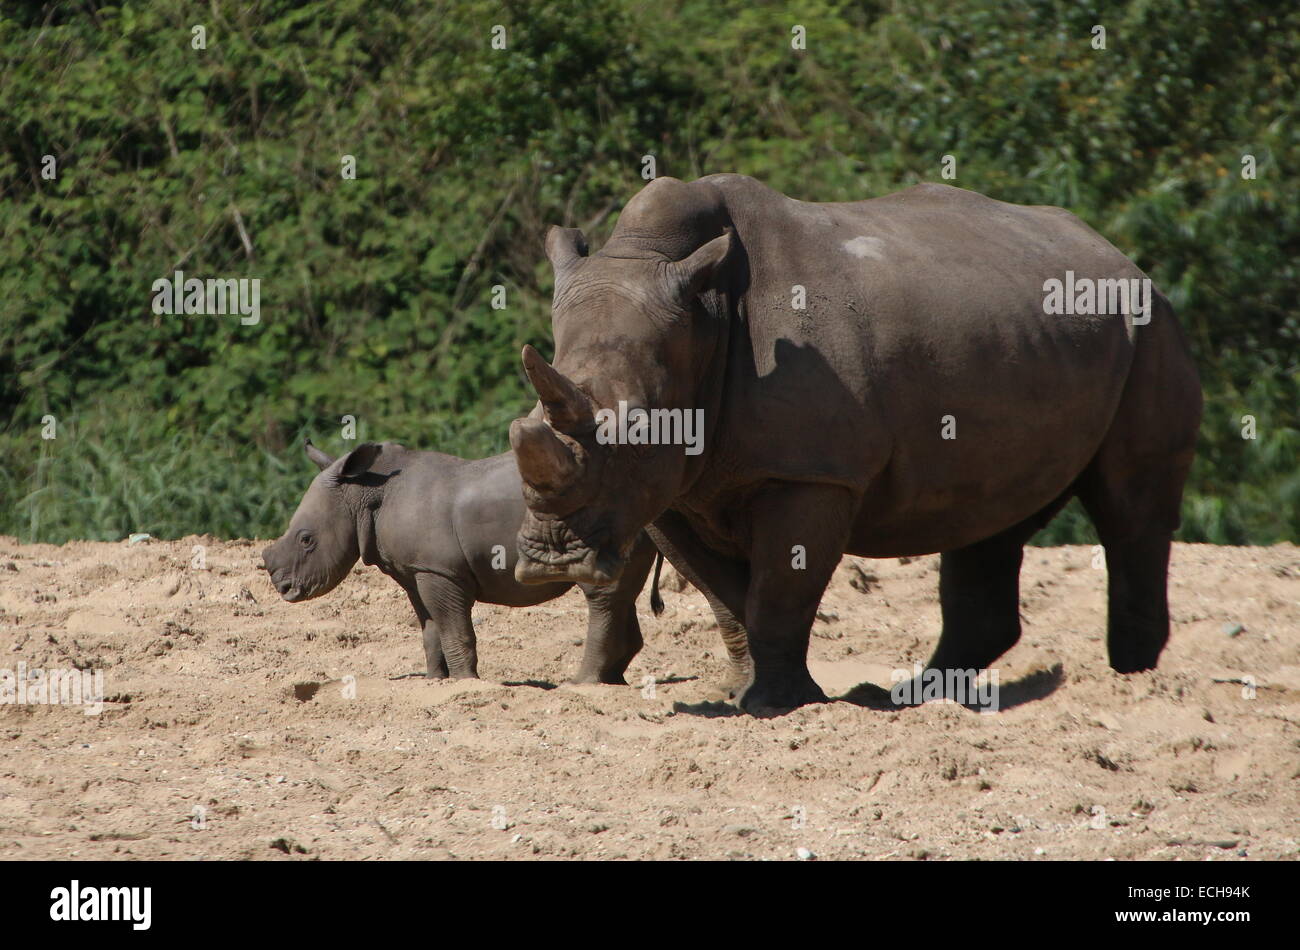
240	726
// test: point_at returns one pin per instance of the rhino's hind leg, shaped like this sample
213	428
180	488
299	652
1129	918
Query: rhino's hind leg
979	594
1133	489
741	665
1135	516
1137	601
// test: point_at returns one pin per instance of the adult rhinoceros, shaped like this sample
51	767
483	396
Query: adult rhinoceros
924	400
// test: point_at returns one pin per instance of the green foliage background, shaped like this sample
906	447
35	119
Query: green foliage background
376	292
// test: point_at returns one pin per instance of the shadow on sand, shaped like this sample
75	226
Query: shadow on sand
1029	688
536	684
716	709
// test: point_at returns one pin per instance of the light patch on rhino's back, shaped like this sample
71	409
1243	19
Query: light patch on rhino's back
865	247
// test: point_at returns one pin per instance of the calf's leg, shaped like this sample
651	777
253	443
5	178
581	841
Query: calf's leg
435	665
613	633
448	605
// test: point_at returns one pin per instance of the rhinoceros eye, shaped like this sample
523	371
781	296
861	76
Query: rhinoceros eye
306	540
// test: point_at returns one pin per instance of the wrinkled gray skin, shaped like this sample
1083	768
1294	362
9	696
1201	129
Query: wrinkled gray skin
431	522
824	426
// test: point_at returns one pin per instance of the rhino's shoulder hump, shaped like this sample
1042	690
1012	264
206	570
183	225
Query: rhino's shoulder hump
731	180
939	195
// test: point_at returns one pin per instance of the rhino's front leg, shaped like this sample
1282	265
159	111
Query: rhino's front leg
448	606
799	534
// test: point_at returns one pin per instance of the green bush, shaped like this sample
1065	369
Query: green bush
377	292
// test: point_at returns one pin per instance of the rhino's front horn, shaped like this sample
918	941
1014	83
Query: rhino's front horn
567	407
544	461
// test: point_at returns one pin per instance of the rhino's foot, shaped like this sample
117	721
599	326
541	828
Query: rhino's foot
1135	642
777	695
735	682
958	684
605	677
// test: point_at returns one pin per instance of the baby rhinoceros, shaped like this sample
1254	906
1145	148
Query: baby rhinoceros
444	528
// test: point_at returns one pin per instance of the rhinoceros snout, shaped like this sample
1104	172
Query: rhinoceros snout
281	579
595	567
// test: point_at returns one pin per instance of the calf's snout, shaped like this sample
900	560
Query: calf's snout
280	579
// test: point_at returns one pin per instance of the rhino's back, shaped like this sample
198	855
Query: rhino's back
458	518
416	518
924	317
924	258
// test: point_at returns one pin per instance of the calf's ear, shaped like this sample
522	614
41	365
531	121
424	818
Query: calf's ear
321	460
359	460
693	274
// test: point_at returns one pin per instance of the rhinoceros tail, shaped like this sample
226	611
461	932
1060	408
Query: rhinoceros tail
657	602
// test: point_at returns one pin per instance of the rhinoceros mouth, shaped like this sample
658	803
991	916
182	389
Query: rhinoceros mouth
545	552
292	588
559	542
595	567
555	551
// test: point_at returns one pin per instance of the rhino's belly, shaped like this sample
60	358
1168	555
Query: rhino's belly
975	450
945	524
966	471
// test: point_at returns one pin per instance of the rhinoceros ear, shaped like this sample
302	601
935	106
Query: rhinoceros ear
564	247
694	274
545	462
359	460
321	460
565	405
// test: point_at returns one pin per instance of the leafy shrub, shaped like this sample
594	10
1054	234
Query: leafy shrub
376	292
